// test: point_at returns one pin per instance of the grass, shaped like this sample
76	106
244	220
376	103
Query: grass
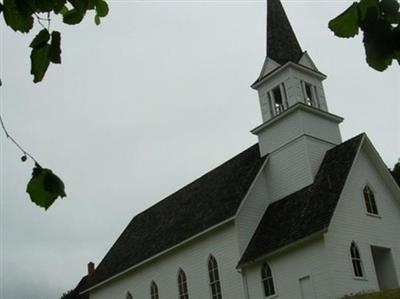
389	294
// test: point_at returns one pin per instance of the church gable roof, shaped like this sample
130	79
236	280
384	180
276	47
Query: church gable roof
307	211
282	44
207	201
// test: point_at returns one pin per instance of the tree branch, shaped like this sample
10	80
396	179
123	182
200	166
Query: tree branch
14	141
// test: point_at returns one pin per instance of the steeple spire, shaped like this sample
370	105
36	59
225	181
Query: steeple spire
282	44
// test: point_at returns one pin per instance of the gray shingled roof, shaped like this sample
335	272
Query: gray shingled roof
306	211
282	44
204	203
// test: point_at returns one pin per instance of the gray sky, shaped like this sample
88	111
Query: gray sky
145	103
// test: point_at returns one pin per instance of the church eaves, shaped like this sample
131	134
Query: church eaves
282	44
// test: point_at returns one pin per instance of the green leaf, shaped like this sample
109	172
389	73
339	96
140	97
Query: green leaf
45	187
63	10
39	62
45	5
59	5
80	5
390	10
101	8
17	20
390	7
91	4
55	47
376	56
97	20
346	24
25	7
40	39
73	16
368	9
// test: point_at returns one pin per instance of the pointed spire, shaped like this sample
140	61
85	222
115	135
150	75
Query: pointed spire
282	44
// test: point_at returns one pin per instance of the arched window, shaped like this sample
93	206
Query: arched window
154	290
182	285
369	198
128	295
356	260
267	280
215	285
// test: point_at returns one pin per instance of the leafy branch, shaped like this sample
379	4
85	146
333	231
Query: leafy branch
45	187
379	21
20	15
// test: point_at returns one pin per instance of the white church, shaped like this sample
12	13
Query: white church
302	214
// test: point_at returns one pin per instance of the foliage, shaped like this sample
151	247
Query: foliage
45	187
379	21
67	295
71	294
388	294
20	15
396	172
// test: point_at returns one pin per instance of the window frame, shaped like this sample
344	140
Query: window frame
370	200
273	106
312	101
154	294
356	262
183	289
267	279
214	280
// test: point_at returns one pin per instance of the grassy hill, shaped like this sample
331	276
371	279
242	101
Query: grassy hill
389	294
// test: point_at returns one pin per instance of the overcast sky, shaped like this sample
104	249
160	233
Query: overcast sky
142	105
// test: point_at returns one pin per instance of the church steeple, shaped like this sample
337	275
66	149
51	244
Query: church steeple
297	128
282	44
289	76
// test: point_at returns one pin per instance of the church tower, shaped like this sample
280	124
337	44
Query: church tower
297	127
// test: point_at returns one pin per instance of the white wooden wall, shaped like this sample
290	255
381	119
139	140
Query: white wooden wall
351	223
288	268
288	170
316	150
294	166
326	260
252	210
291	78
294	124
192	258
